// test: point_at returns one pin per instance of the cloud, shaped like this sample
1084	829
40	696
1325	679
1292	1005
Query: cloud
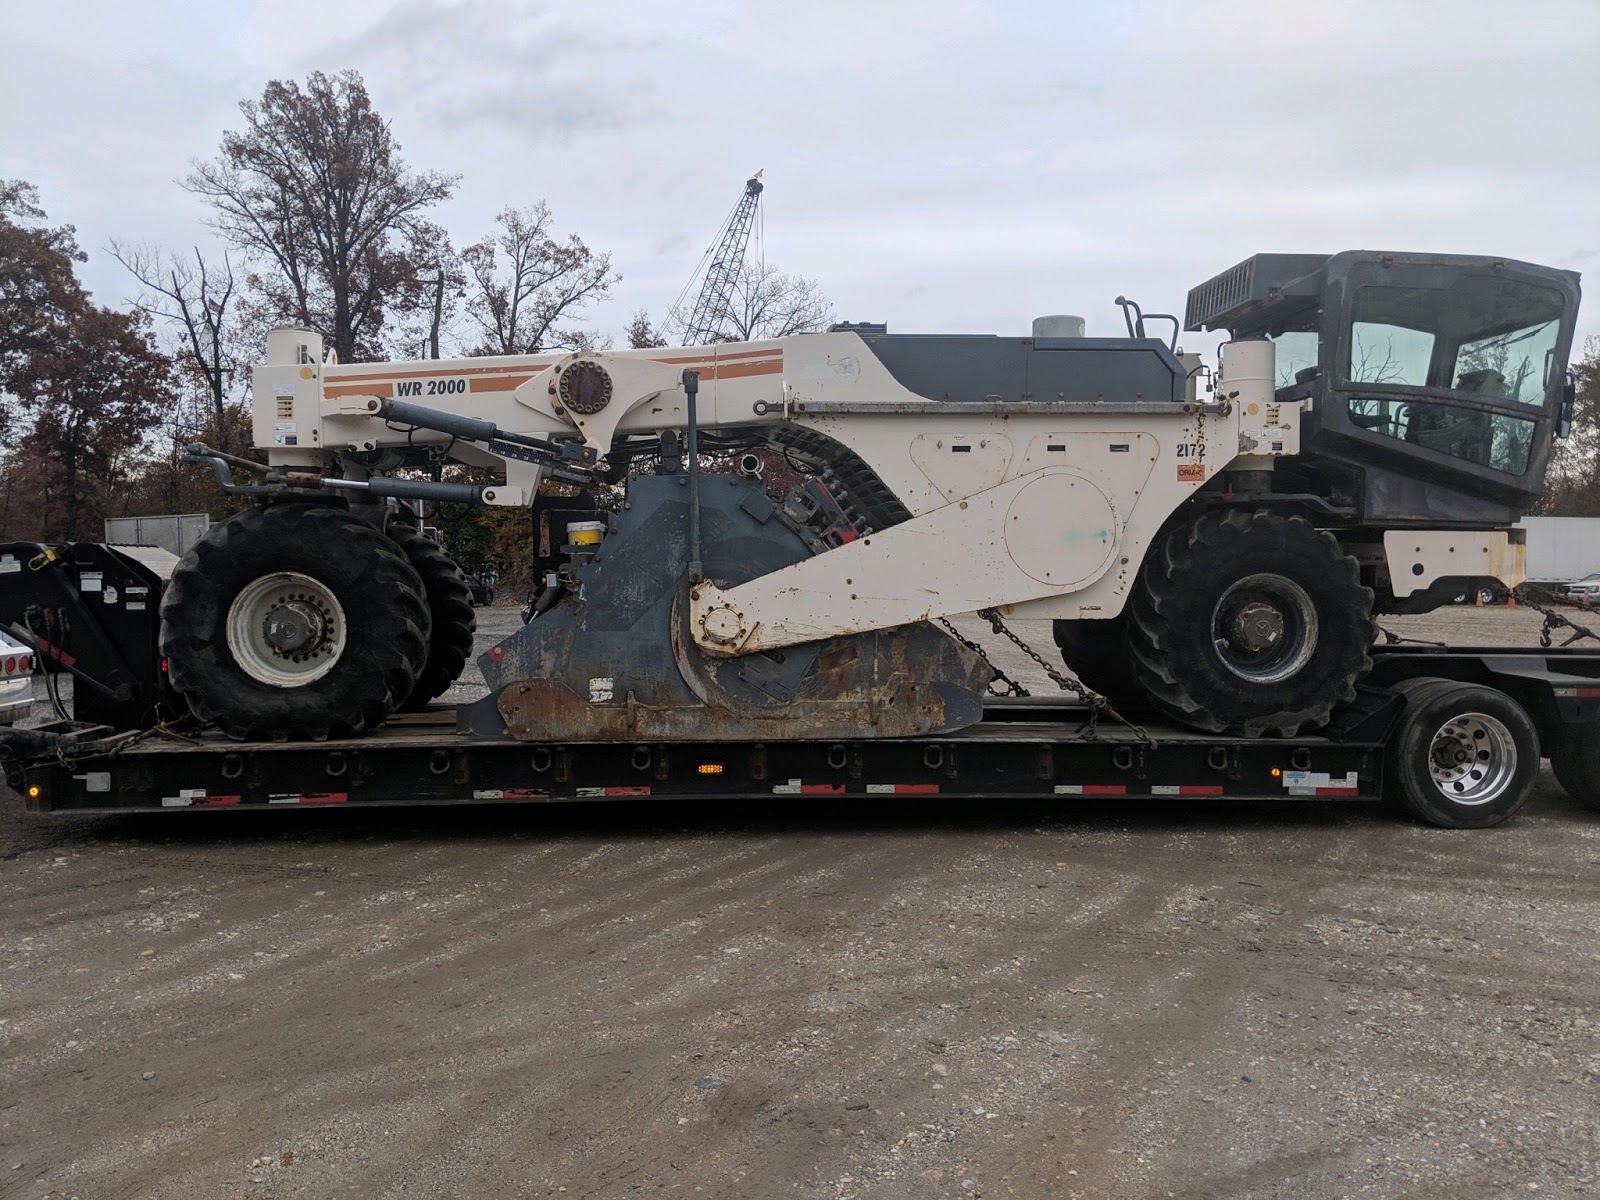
944	164
488	65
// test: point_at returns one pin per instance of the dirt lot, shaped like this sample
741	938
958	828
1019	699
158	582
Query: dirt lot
804	1000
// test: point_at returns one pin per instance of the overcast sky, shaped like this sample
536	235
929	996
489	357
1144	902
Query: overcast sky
942	165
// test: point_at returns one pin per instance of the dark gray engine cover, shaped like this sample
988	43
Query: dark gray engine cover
617	662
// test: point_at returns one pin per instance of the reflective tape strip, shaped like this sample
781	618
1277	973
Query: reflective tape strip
1091	789
308	797
798	787
198	798
510	794
597	792
902	789
1185	789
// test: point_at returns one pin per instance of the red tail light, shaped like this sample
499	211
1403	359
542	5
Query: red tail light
11	666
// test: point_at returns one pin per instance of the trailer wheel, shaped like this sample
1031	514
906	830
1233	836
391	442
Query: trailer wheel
1463	756
1097	653
1250	623
294	621
450	607
1575	758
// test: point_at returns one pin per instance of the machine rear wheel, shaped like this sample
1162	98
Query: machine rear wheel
450	607
1249	623
294	621
1097	653
1463	756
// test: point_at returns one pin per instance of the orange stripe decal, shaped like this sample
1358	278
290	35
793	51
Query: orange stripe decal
381	390
740	370
775	352
508	383
337	376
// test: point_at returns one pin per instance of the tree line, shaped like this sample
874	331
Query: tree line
322	224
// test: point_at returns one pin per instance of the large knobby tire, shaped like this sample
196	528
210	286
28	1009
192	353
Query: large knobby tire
1097	653
1462	757
450	606
1575	758
294	622
1249	623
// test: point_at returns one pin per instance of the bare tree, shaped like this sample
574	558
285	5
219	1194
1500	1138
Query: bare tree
767	304
193	297
525	282
314	191
1367	367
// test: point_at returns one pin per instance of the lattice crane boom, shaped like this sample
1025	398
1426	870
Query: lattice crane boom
707	320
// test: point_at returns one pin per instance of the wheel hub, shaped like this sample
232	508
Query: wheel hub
1257	627
295	627
1264	628
1472	758
286	629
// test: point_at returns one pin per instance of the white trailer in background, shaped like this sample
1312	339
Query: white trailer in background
1562	549
174	532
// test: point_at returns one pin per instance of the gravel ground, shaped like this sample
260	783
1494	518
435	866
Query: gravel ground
815	1001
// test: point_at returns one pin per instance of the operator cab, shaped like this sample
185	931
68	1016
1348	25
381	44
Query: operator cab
1436	382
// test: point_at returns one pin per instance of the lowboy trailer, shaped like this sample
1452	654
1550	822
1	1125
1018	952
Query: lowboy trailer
1453	736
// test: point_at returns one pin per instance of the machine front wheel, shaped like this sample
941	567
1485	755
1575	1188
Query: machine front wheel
1249	623
294	621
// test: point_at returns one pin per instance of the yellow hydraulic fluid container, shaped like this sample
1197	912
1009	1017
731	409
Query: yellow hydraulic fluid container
585	533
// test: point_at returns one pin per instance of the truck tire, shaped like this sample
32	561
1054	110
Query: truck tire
450	608
294	622
1249	623
1097	653
1575	759
1462	757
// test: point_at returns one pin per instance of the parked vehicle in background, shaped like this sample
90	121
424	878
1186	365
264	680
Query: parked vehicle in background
481	586
1586	591
16	681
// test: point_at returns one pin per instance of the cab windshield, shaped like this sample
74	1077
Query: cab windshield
1485	336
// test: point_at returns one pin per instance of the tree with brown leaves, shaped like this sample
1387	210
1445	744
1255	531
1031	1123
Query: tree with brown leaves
314	192
80	385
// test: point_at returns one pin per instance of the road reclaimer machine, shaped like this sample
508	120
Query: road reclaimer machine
1212	543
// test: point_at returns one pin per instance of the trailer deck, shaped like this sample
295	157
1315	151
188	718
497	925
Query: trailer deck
1028	747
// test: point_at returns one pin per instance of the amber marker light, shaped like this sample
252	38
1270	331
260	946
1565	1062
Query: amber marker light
1276	772
33	791
711	768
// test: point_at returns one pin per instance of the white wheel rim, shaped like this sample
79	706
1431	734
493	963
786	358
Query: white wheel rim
286	629
1472	758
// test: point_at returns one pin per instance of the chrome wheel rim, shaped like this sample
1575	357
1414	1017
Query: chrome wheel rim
1264	628
286	629
1472	758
